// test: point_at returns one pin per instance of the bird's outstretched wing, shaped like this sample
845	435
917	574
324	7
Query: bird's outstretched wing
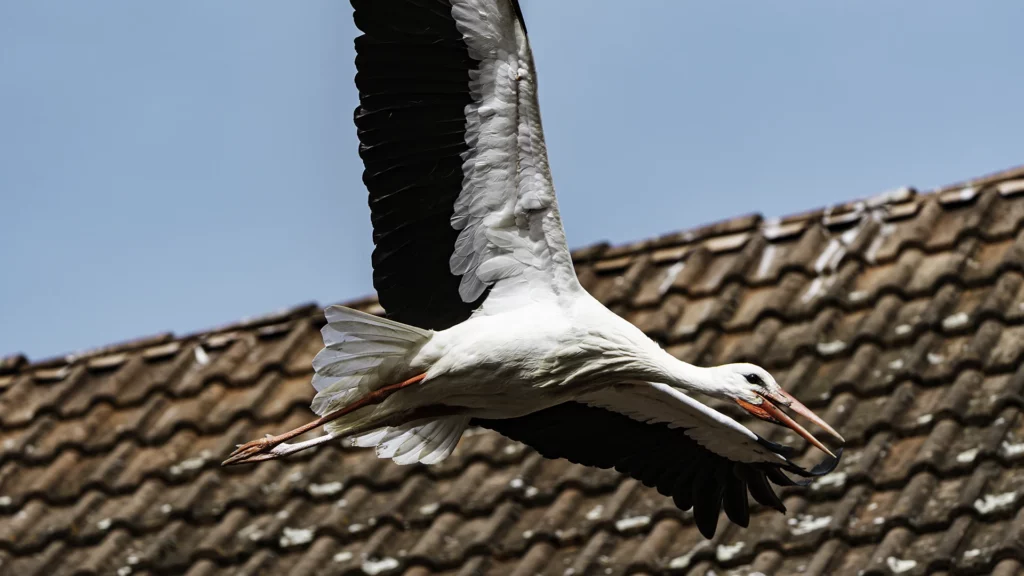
700	457
462	205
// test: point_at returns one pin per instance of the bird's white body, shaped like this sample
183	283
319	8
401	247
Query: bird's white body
513	363
468	240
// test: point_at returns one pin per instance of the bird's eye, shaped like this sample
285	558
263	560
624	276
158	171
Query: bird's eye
754	379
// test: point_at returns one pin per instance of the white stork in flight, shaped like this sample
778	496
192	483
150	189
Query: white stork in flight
487	324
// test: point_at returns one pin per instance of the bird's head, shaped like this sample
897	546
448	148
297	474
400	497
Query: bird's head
754	389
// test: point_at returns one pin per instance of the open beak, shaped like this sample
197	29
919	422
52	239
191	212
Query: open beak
769	410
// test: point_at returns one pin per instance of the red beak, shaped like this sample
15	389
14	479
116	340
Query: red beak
769	411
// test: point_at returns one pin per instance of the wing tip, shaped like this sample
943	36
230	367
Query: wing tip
825	466
519	14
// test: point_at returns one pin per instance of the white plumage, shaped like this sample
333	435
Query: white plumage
488	323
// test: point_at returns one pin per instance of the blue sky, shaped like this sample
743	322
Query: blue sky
178	165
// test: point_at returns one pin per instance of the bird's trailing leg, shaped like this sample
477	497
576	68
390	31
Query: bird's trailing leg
272	447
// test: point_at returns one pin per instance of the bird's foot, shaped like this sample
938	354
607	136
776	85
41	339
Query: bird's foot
255	451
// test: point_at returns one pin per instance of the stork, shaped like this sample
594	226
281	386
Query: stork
486	322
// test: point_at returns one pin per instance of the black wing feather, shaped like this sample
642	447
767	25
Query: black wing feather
657	455
413	78
735	501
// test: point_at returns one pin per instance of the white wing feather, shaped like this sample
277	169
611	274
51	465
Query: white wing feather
511	236
427	442
711	429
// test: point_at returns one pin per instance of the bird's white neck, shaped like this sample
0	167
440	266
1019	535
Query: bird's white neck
689	377
649	361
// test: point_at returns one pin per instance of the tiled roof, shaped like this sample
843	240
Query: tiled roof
900	319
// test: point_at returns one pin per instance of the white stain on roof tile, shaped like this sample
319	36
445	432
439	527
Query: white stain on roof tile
429	509
282	514
510	449
896	364
527	534
818	285
966	194
876	243
202	358
805	524
858	296
343	556
767	257
925	418
726	552
955	321
5	500
935	359
341	503
531	491
670	276
851	235
252	532
355	527
973	553
516	483
296	537
132	559
899	566
374	567
834	479
992	502
632	522
326	489
193	463
830	256
967	456
829	348
124	571
295	476
903	329
104	524
683	561
595	512
1011	450
901	194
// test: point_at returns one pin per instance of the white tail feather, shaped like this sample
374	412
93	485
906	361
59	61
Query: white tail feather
362	352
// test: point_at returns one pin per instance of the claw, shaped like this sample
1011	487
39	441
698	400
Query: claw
251	451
